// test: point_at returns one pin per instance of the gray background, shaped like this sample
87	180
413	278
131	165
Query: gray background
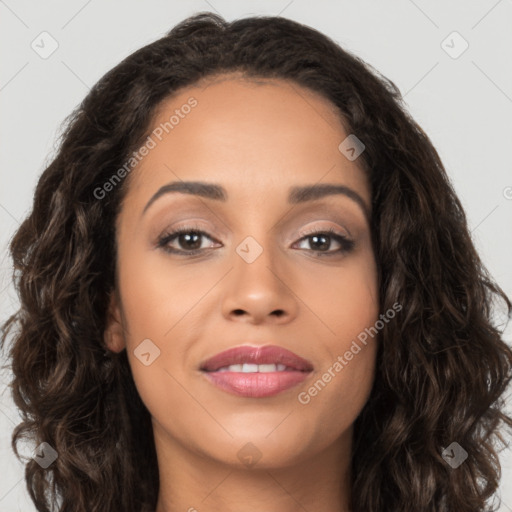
464	104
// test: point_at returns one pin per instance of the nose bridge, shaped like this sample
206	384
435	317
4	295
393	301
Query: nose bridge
256	262
258	282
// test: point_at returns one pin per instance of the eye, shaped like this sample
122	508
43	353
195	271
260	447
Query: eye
321	241
188	239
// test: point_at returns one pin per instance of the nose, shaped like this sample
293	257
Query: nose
260	291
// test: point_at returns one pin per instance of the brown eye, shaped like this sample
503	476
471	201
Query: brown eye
321	241
187	239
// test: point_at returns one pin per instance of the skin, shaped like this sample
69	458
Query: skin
256	139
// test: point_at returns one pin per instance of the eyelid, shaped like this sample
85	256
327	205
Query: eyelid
311	228
163	241
188	226
192	224
314	227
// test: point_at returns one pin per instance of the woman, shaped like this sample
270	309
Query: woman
247	284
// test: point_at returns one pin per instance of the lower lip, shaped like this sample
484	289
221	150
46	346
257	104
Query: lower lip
256	385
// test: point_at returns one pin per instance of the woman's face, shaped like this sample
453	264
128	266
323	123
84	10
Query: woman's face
259	275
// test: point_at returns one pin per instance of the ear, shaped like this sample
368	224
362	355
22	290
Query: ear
114	332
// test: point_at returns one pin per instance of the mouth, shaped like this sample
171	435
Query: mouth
256	372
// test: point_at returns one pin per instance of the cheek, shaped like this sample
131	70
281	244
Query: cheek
348	307
155	297
163	306
342	301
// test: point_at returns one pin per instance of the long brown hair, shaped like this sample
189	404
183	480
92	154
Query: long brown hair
442	365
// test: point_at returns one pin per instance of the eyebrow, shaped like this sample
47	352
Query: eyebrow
296	195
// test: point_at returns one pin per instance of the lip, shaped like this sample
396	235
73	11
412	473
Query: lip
256	385
268	354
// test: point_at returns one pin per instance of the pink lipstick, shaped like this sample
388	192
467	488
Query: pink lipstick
256	372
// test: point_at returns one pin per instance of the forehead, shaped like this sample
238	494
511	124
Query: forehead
250	134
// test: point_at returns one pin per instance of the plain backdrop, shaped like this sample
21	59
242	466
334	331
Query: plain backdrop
451	60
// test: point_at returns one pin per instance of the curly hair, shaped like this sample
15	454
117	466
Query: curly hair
442	366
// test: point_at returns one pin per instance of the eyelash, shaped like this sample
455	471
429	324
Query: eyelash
163	242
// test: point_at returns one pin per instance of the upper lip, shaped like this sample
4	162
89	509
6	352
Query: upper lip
268	354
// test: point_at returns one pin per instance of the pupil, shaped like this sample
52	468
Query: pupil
324	245
188	237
